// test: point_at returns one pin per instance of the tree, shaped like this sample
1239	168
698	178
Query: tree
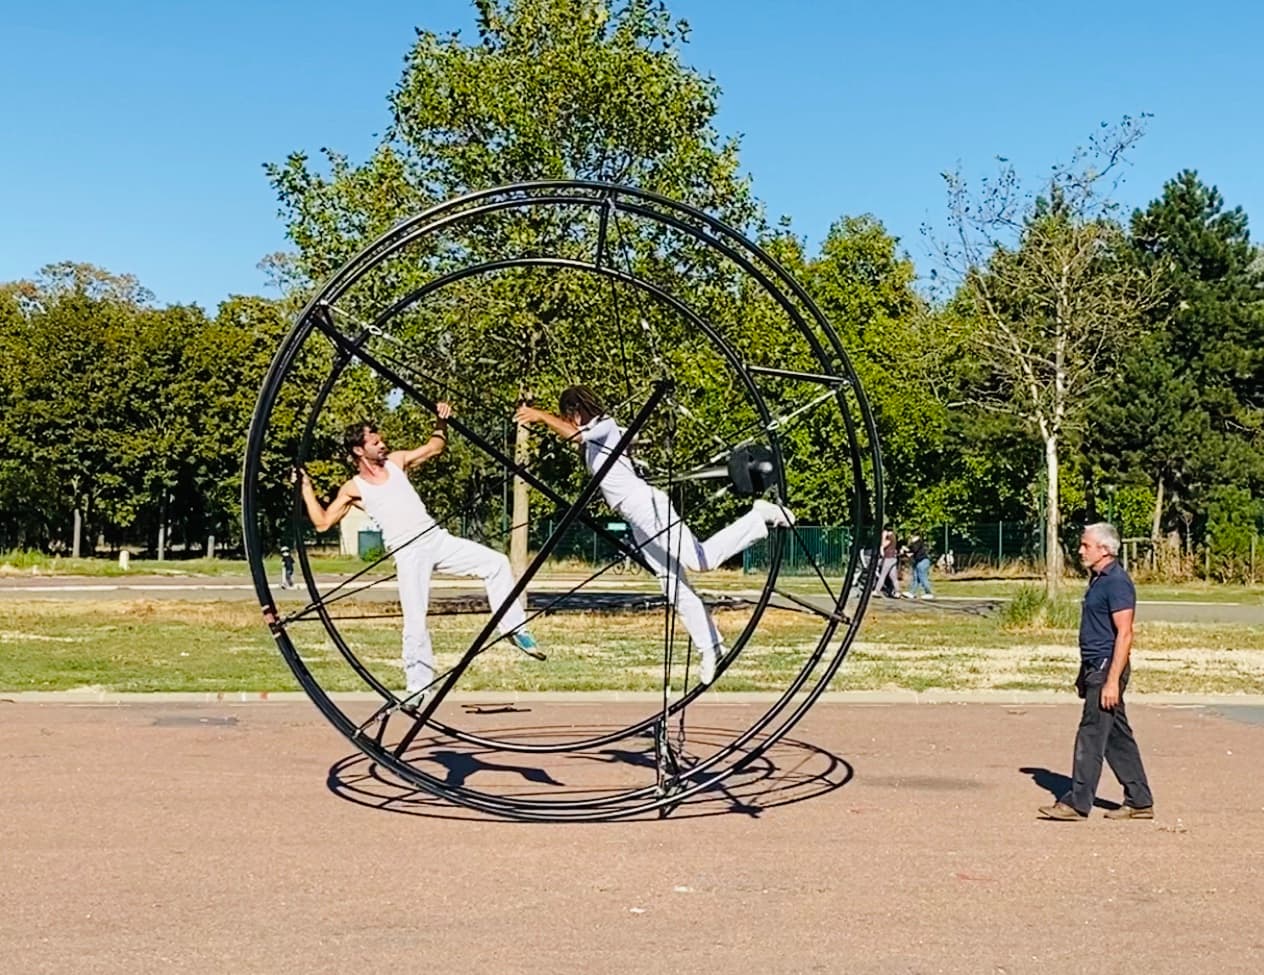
1053	297
224	366
108	417
550	89
1188	420
865	286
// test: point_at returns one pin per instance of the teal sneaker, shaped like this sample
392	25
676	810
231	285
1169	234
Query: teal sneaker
525	642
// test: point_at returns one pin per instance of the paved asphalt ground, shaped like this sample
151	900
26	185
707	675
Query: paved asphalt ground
159	834
166	837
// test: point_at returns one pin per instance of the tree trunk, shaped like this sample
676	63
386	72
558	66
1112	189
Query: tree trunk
77	533
1155	525
1053	547
521	506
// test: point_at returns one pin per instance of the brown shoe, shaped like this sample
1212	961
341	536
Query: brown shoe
1062	812
1131	812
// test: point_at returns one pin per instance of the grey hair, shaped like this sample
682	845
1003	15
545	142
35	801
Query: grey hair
1105	534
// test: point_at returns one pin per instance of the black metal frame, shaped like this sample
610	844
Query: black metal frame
835	370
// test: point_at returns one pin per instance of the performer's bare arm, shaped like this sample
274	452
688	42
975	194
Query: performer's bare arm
433	447
563	427
325	518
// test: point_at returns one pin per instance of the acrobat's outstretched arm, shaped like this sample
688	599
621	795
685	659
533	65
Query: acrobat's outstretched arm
433	447
563	427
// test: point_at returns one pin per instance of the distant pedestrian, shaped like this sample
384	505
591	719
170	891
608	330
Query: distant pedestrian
888	565
1106	617
287	568
919	559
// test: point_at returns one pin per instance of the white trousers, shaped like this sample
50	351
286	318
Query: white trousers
438	551
671	550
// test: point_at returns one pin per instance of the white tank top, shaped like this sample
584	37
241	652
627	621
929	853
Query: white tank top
395	506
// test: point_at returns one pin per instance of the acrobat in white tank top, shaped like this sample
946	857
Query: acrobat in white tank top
395	506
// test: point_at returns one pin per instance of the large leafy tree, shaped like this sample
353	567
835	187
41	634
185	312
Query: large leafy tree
70	370
1188	418
865	286
1053	296
550	89
127	418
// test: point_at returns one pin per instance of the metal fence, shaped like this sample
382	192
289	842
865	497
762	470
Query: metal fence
988	544
826	546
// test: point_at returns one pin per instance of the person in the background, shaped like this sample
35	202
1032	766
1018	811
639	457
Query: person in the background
888	566
919	559
287	568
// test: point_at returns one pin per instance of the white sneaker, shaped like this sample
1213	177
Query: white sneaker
930	596
775	514
708	657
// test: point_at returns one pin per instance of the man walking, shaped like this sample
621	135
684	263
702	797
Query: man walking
1105	645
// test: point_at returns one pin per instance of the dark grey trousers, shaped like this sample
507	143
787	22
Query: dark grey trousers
1108	735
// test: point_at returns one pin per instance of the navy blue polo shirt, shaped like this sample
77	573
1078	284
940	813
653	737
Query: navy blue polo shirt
1109	591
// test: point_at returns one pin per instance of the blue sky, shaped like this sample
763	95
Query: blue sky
134	132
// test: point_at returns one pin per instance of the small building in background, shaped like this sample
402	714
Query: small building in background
355	521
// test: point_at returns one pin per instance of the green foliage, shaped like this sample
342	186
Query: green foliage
551	89
135	415
1132	509
864	286
1235	521
1188	417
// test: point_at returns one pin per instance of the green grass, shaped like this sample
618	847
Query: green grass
223	646
1030	608
36	564
1073	588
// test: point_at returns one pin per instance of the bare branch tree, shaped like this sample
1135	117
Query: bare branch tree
1051	294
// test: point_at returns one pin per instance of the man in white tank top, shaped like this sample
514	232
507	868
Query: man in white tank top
660	533
417	543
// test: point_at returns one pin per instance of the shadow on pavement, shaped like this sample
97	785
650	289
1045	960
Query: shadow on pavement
789	772
1058	785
